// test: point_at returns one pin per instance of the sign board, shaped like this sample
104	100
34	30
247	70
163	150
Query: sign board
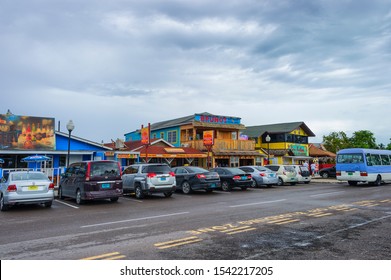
216	119
208	138
299	150
26	133
145	135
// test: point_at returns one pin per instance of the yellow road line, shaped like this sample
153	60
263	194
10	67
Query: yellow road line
116	257
177	242
283	221
240	231
102	256
234	229
318	215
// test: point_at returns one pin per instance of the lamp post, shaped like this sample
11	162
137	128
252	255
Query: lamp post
70	127
268	148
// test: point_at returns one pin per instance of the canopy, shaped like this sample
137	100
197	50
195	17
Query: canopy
35	158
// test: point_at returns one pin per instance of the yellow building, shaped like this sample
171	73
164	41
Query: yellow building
284	143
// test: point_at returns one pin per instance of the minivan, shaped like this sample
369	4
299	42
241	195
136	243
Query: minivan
90	180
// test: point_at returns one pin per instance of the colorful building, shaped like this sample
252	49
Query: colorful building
228	147
283	143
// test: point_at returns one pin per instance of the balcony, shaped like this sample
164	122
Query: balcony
221	145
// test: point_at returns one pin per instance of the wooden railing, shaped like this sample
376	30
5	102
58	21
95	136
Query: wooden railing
243	145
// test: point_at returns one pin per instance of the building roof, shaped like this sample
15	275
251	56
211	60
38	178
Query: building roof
73	137
259	130
315	151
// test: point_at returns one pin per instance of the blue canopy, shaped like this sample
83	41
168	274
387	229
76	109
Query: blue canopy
35	158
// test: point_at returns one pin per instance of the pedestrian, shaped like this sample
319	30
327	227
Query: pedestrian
313	168
305	164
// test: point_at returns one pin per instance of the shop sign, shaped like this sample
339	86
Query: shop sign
27	133
109	154
216	119
299	150
132	156
208	138
145	135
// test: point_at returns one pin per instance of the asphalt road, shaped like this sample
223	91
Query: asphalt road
323	221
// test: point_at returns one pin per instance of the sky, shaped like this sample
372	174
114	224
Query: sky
111	66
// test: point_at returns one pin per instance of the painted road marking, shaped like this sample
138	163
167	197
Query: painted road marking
108	256
67	204
178	242
135	220
238	230
326	194
257	203
132	199
283	221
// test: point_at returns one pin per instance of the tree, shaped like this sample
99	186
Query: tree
336	141
363	139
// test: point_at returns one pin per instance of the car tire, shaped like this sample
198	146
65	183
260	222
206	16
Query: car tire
79	200
139	192
60	196
48	204
378	181
186	188
280	182
114	199
225	186
325	175
254	184
168	194
3	206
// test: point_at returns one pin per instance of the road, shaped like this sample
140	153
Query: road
303	222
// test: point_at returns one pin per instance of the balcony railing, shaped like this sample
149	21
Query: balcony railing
242	145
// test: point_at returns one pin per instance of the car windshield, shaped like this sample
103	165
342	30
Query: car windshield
236	171
289	168
28	176
261	168
158	169
197	170
104	168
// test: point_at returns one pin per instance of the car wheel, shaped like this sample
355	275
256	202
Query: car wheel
280	182
3	206
378	181
324	175
254	184
139	192
168	194
79	200
114	199
60	196
225	186
48	204
186	188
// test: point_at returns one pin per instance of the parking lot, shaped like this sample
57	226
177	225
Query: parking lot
321	220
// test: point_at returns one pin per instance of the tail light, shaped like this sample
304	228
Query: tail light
365	174
151	175
262	174
249	177
172	174
237	177
338	173
88	171
12	188
51	186
201	176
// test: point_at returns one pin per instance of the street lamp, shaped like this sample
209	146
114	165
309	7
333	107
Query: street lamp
268	148
70	127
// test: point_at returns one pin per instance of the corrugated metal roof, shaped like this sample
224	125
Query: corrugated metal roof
259	130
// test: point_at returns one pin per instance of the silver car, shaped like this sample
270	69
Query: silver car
25	187
261	175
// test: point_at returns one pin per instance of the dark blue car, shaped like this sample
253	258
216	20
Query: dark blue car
191	178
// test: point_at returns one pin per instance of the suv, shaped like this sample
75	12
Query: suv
303	174
145	179
89	180
285	173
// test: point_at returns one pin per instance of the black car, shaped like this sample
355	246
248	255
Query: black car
328	172
189	178
232	177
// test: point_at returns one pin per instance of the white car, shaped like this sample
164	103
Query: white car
285	173
25	187
303	174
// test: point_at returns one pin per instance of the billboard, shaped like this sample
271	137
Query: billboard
145	135
26	133
208	138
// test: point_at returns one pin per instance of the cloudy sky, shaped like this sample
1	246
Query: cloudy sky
111	66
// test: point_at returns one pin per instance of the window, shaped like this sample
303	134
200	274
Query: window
172	136
162	135
351	158
234	161
234	135
385	160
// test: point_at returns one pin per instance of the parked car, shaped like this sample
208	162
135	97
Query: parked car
25	187
303	174
90	180
146	179
286	174
328	172
191	178
232	177
261	175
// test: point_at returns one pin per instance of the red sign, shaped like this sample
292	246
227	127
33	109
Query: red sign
208	138
145	135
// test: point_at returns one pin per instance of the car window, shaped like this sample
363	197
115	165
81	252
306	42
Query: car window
304	168
131	170
158	169
28	176
197	169
236	171
247	169
289	168
180	170
273	167
103	168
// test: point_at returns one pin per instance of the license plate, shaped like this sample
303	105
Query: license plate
350	173
244	178
212	185
163	179
33	188
105	186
